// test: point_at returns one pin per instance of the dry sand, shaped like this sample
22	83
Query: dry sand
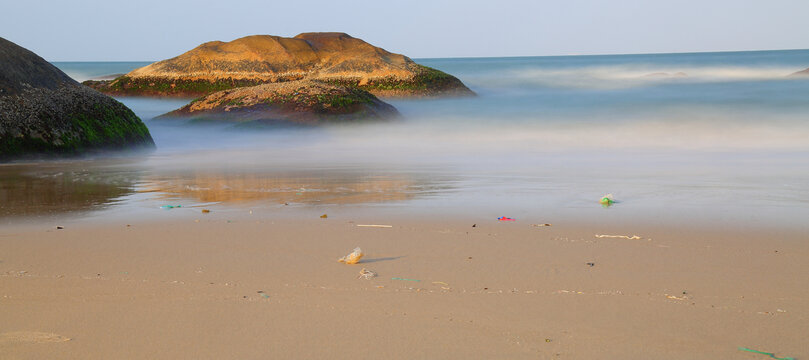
261	288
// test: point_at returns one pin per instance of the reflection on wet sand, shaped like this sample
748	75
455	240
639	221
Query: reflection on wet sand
52	190
236	188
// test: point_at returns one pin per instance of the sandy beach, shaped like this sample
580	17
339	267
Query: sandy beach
252	286
526	180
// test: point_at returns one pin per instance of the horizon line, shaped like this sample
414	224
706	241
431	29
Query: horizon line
515	56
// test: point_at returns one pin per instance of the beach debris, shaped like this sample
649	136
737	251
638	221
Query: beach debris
568	292
540	225
633	237
352	258
373	225
440	282
60	227
591	264
772	355
474	225
606	200
262	294
170	206
206	211
504	218
771	313
403	279
31	337
367	274
324	216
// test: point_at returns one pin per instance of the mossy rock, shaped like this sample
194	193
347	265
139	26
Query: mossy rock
69	121
302	102
45	112
259	59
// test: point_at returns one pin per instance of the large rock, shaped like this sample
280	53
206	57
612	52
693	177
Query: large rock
252	60
43	111
301	102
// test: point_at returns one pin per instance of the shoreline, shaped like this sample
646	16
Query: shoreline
267	286
141	208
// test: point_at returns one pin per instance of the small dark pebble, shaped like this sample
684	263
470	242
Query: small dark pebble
260	291
60	227
591	264
474	225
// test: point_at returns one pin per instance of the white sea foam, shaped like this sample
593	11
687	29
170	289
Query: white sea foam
624	76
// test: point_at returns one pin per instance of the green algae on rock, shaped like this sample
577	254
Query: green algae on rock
45	112
304	102
253	60
149	86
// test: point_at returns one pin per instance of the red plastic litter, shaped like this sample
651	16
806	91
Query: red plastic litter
503	218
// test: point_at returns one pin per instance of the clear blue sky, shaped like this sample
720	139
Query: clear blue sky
113	30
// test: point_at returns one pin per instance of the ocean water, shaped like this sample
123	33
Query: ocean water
705	138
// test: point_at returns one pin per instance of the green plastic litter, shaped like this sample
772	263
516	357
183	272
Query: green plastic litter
405	279
765	353
171	206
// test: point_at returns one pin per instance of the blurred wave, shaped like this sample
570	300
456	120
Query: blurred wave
615	77
696	132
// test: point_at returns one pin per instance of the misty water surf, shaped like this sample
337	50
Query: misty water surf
710	138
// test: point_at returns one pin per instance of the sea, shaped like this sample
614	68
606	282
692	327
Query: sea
689	139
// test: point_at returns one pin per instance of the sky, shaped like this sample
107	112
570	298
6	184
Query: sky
150	30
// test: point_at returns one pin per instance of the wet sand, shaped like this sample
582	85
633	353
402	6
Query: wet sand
258	286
